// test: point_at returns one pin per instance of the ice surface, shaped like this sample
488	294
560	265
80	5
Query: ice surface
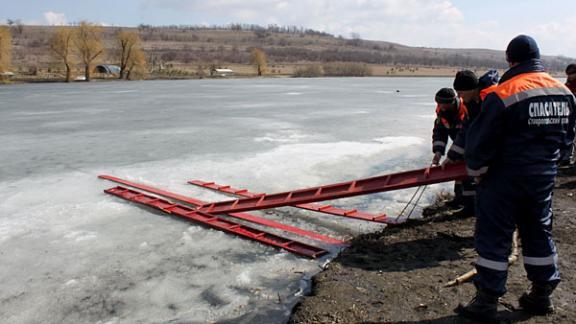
70	254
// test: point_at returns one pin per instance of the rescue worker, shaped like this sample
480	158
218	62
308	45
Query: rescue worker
571	77
450	115
472	92
567	155
521	128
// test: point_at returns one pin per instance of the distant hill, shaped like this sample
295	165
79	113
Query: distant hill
188	49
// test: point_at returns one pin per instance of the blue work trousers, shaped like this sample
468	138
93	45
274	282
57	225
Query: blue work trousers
504	203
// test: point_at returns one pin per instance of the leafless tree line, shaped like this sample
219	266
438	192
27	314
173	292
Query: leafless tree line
238	27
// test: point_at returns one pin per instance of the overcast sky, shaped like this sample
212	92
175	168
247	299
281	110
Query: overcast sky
431	23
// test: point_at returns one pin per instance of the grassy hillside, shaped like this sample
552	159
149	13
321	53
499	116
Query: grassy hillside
178	51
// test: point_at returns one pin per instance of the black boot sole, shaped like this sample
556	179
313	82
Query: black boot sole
533	308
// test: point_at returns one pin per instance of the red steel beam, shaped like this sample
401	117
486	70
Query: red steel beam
244	216
326	209
395	181
219	223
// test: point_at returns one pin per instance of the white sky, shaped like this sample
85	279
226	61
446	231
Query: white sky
432	23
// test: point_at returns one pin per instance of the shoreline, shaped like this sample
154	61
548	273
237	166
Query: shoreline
236	77
243	71
97	80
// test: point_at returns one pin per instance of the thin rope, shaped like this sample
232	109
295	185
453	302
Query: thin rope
412	202
417	201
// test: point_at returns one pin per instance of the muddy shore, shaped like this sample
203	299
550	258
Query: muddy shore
399	275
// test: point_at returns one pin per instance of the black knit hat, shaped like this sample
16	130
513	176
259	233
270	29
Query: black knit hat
465	80
571	69
522	48
445	96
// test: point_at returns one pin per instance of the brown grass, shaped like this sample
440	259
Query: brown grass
182	51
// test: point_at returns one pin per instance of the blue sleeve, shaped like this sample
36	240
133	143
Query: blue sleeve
439	137
487	130
456	151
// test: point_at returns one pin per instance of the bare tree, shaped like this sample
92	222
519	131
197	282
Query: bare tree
136	65
128	45
259	60
61	45
355	40
89	45
200	72
5	49
19	27
213	68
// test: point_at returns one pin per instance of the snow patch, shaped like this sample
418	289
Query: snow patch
79	236
283	136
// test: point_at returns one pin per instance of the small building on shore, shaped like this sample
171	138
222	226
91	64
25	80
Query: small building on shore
108	69
7	75
221	72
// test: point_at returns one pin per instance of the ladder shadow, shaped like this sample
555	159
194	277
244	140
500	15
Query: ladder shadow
378	255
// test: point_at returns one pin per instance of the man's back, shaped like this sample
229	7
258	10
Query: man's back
524	124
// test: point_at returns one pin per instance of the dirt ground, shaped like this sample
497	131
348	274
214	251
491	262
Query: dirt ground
399	275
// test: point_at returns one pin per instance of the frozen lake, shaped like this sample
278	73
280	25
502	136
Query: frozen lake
71	254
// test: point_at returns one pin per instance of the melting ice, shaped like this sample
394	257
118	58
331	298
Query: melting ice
69	253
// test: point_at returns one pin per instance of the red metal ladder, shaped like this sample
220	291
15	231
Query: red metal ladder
219	223
244	216
327	209
395	181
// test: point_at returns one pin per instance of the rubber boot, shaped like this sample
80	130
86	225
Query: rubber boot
537	301
482	308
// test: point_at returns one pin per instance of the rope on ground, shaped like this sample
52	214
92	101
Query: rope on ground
470	274
412	202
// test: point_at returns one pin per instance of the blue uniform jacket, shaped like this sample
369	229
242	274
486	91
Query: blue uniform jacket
523	124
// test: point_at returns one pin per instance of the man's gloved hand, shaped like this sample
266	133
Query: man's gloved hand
436	159
446	162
